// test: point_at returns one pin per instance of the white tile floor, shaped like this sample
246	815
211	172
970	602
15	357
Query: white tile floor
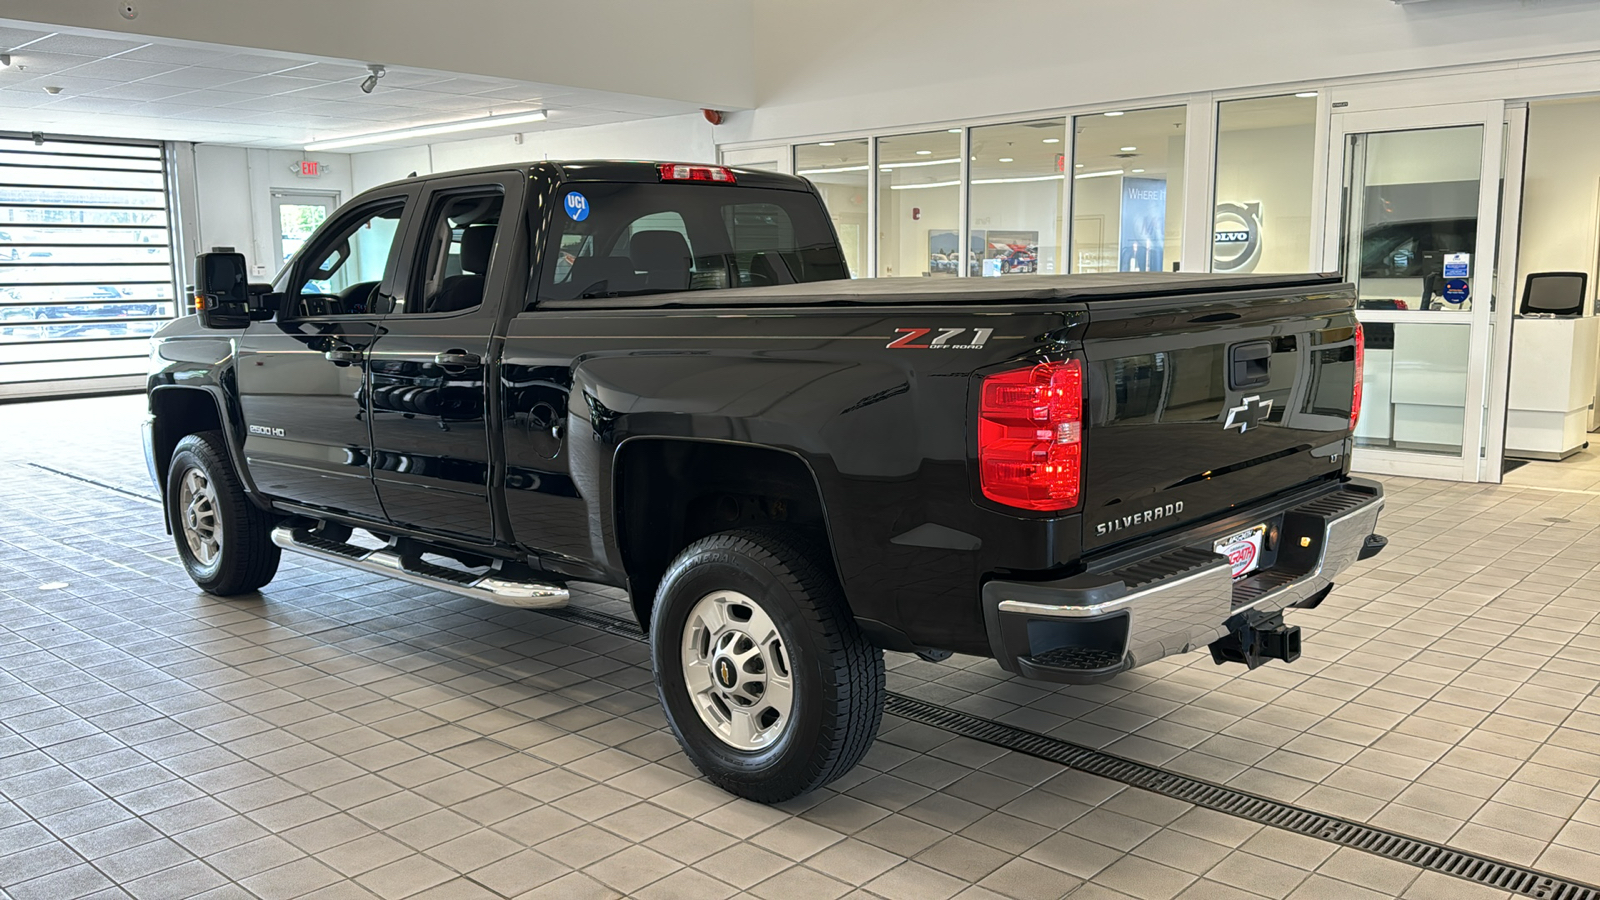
350	736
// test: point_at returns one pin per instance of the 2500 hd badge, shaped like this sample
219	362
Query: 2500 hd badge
1140	518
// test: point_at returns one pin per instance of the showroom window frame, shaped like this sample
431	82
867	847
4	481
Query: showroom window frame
1201	138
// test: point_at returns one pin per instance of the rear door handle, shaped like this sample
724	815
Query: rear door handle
342	355
458	359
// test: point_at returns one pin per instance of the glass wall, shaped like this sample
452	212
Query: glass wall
1127	195
839	170
1266	151
1014	210
919	200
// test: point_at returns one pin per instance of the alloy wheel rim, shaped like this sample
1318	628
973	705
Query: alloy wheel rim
197	516
737	670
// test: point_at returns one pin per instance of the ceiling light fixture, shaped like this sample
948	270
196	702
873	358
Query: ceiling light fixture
1115	114
826	144
5	60
954	130
1098	174
1306	94
889	167
1052	140
374	72
381	137
1006	159
1129	149
1136	171
924	152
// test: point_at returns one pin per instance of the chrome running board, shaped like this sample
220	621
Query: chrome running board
490	587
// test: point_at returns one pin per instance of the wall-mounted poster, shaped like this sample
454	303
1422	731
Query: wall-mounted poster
1144	225
944	252
1011	253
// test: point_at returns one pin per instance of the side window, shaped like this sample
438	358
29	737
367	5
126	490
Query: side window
458	244
341	272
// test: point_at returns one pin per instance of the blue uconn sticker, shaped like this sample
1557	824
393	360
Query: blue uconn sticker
577	206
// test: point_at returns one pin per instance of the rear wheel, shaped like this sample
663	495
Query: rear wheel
769	685
223	540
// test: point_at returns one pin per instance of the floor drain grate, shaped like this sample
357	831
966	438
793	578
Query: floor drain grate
1422	854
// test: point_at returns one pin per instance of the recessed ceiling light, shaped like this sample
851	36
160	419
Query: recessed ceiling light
826	144
1129	149
1077	165
1006	159
1114	113
1306	94
52	89
924	152
1052	140
1136	171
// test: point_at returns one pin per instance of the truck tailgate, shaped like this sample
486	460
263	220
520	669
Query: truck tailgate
1198	405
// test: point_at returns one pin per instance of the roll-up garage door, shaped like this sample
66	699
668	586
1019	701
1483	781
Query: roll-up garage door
85	263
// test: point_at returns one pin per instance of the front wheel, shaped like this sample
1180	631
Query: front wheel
769	685
224	540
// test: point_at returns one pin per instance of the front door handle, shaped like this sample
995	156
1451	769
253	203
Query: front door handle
342	356
457	359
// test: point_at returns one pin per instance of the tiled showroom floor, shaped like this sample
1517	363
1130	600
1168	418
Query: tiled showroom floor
350	736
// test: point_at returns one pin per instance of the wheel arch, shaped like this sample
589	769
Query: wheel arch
669	492
177	411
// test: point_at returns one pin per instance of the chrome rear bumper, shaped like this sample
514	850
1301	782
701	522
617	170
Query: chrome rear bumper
1092	626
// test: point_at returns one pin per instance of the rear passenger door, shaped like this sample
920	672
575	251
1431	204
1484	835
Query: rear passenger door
435	357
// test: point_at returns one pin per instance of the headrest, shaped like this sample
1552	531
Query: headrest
660	251
477	242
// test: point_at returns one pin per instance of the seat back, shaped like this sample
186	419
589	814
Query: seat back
664	258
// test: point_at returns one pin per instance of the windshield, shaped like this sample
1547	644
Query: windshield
615	240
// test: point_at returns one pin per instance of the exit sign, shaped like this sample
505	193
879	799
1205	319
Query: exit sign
309	168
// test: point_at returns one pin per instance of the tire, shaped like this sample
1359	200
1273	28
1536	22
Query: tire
223	539
723	693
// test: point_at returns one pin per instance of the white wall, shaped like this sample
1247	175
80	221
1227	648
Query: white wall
234	194
677	138
1561	191
842	66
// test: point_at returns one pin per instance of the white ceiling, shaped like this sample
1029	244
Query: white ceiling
116	86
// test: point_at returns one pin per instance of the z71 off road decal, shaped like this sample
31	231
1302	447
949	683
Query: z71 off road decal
913	339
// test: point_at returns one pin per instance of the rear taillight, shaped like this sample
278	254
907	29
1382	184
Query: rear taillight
681	172
1030	436
1361	361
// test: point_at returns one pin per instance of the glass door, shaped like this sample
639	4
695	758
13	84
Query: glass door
295	216
1414	228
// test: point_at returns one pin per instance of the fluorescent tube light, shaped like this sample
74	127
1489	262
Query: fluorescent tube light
918	187
1098	174
861	168
381	137
1018	180
886	167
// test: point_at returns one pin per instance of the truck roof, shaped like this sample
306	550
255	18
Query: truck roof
613	170
935	291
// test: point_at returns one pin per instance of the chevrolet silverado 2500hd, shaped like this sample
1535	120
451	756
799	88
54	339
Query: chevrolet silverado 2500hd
660	377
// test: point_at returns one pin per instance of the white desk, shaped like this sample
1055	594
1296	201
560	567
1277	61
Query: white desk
1553	364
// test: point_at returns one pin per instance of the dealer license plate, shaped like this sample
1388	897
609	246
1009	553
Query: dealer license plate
1243	550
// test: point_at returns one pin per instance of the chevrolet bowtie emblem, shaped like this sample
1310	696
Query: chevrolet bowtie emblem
1251	411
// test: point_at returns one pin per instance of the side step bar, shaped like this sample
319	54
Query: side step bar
490	587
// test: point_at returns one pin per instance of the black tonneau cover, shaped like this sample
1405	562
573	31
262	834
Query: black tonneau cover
926	290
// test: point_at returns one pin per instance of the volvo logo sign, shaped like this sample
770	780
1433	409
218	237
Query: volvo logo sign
1236	243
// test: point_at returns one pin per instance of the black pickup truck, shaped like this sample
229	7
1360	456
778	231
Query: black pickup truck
660	377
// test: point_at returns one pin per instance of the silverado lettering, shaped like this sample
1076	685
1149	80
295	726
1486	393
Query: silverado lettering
525	372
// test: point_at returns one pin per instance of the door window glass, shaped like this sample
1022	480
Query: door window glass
839	170
458	243
1127	191
1265	152
919	198
1015	205
341	275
